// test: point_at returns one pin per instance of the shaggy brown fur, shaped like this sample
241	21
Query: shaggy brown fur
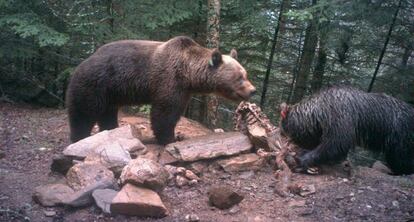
163	74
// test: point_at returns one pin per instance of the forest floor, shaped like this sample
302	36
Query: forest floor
31	136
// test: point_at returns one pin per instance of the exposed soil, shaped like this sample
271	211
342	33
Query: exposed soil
30	136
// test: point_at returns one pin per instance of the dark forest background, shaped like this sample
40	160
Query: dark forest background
290	48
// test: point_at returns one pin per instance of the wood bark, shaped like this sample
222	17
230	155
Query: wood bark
306	60
213	41
319	71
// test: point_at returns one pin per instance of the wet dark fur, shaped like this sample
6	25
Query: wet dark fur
132	72
335	120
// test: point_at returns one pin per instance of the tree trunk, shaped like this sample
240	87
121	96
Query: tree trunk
405	57
296	69
272	52
306	60
213	39
109	11
374	76
317	78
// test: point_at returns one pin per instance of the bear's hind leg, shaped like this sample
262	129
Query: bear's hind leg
108	120
163	123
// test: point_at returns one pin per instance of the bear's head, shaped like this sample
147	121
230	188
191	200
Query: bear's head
230	78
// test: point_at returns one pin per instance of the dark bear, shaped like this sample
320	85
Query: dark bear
336	119
163	74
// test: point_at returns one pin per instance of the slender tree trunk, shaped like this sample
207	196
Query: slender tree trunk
272	52
317	78
374	76
213	40
109	11
307	57
405	57
296	69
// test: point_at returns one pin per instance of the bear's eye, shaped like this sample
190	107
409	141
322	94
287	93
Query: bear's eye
241	81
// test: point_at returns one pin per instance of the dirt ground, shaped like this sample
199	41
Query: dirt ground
30	137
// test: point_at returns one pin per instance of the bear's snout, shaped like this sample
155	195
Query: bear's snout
253	92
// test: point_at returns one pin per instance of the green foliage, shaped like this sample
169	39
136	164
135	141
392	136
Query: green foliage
29	25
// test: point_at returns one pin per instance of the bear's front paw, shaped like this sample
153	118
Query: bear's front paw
306	160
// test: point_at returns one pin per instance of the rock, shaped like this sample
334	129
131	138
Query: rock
2	154
181	170
112	156
243	162
171	169
52	194
61	164
210	146
198	167
192	218
166	158
83	197
153	152
223	197
395	204
82	175
190	175
103	199
49	213
218	130
297	203
146	173
379	166
235	209
137	201
181	181
307	190
125	136
192	182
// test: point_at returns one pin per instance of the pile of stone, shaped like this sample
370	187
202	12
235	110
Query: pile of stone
121	175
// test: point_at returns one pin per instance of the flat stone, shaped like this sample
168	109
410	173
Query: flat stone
52	194
83	197
125	136
166	158
242	162
112	156
210	146
146	173
82	175
137	201
223	197
49	213
103	199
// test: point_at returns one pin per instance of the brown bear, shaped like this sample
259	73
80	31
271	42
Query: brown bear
163	74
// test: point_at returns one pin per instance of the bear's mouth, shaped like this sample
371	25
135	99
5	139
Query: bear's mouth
243	97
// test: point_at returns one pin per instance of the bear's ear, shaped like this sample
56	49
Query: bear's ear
216	58
233	54
284	110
